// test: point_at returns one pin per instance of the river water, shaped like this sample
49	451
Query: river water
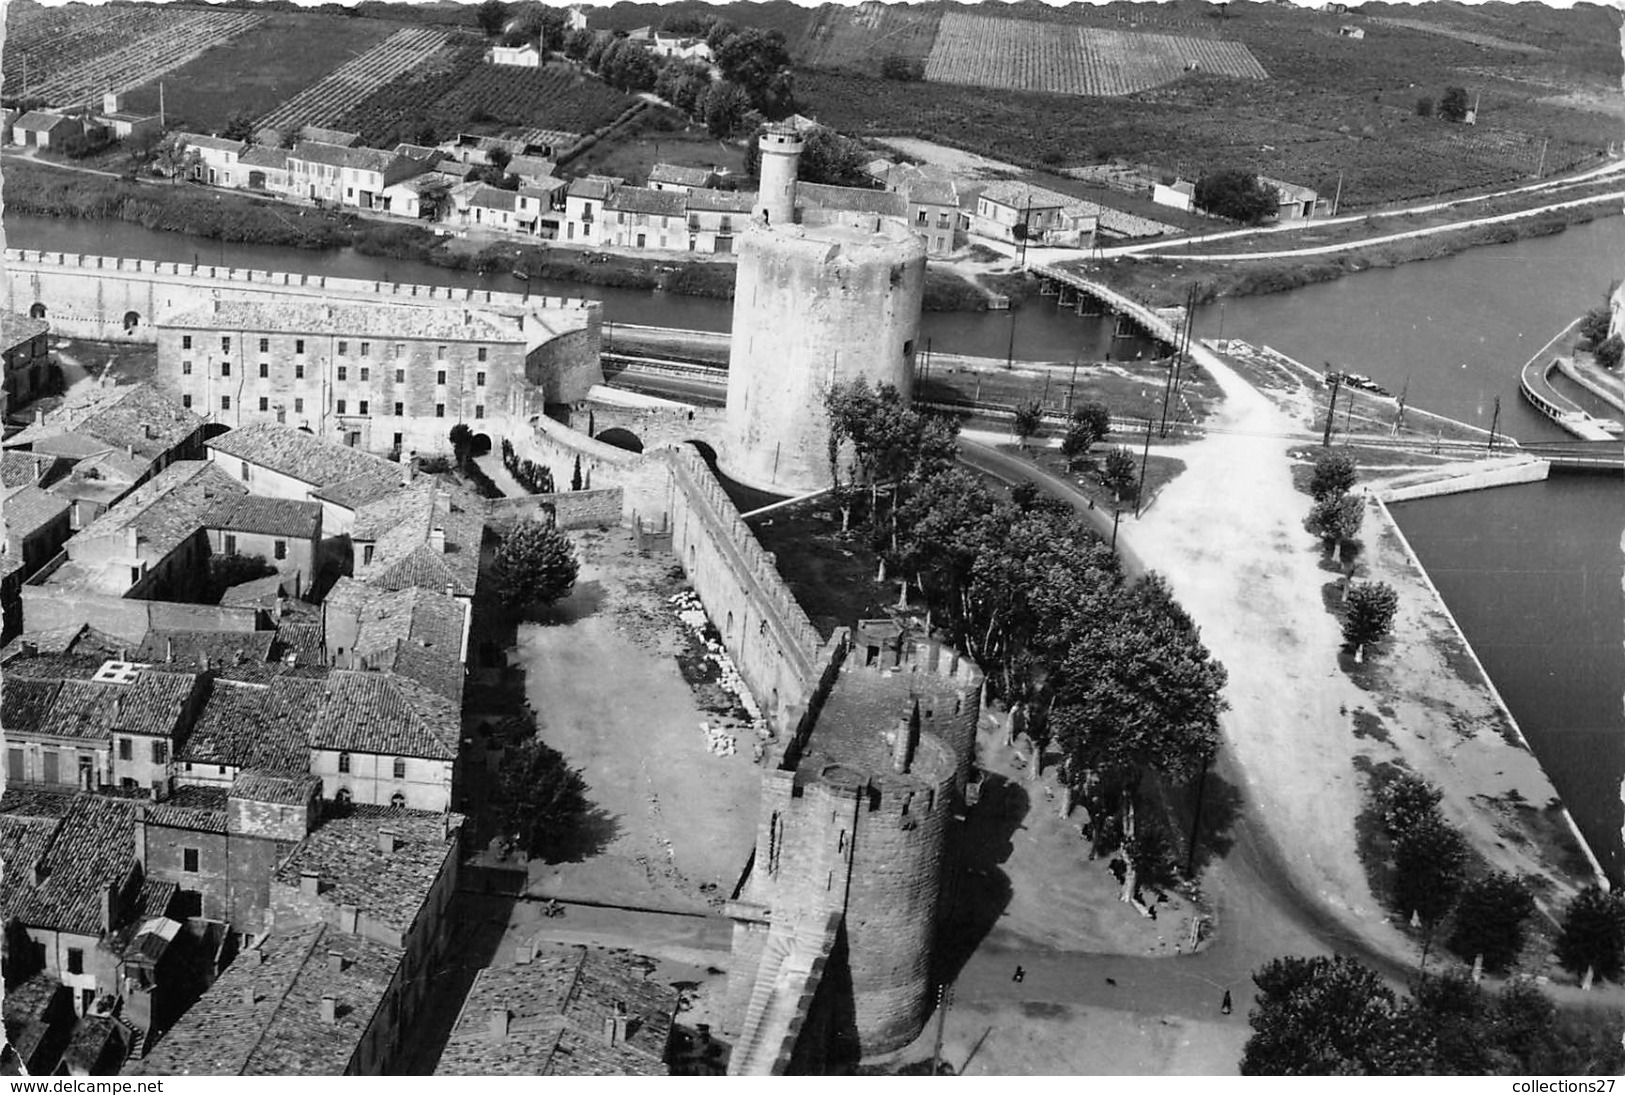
1534	574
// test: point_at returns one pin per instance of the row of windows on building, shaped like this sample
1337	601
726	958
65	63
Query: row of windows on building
342	406
343	372
343	347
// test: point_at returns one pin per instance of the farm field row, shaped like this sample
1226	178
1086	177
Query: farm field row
325	101
253	73
153	55
70	58
456	91
1021	55
860	37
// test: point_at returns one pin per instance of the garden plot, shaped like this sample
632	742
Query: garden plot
329	99
124	50
1018	55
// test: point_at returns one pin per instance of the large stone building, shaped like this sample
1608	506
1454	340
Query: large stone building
828	291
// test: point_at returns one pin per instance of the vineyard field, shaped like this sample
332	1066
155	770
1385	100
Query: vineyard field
1021	55
67	58
254	73
860	37
325	101
456	91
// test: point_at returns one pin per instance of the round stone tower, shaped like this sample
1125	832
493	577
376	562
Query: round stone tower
781	158
814	306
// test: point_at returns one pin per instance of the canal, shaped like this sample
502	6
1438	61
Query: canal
1534	574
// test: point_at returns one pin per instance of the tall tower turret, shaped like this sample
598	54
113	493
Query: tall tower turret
781	157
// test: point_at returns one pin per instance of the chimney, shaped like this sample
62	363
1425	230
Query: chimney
109	896
437	539
260	956
388	841
330	1009
250	997
499	1024
310	883
41	872
615	1025
204	661
524	953
39	417
902	750
130	537
468	317
169	650
335	962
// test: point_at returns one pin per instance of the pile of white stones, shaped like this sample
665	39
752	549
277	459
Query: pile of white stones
689	609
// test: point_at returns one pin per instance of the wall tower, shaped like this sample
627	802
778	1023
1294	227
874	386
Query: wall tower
781	149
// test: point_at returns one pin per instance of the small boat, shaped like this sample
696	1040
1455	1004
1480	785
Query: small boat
521	275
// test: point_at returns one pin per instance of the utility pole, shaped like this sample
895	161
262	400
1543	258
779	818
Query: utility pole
1399	418
1495	420
1139	491
1338	197
1541	170
1117	515
1331	410
1010	350
1071	387
945	1000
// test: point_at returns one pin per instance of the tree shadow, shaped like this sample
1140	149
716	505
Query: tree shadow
977	889
1221	807
584	600
591	835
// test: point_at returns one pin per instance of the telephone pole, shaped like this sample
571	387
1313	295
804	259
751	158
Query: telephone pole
1139	491
1331	410
1495	421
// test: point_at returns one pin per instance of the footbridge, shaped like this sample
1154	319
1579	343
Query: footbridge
1163	324
1597	456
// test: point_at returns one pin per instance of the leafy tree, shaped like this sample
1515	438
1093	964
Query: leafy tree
491	15
544	800
1371	608
600	45
175	158
1333	475
1328	1017
1424	107
1407	802
226	571
1490	918
536	564
1089	423
461	436
1453	107
240	126
1430	861
577	42
1029	420
1592	938
576	482
759	62
1336	519
1236	194
1120	474
947	523
896	66
723	106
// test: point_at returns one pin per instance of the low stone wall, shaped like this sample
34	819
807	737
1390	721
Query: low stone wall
570	509
1462	478
127	618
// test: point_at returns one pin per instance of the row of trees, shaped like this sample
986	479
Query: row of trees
1336	1017
754	66
1336	517
1111	671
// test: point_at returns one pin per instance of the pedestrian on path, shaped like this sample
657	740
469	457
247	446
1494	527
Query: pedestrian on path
1019	976
1224	1008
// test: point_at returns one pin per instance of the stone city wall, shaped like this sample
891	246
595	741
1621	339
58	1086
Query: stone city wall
570	509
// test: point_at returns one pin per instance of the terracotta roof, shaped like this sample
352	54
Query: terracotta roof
1020	195
263	1016
154	702
192	648
400	528
384	714
433	669
82	710
329	136
721	201
529	166
380	321
219	144
850	199
343	156
264	726
492	197
27	509
25	837
302	456
595	187
924	187
256	593
98	1043
637	199
285	789
679	175
265	156
24	702
62	666
18	467
40	120
391	887
16	328
93	849
138	417
421	617
266	516
201	809
556	1005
